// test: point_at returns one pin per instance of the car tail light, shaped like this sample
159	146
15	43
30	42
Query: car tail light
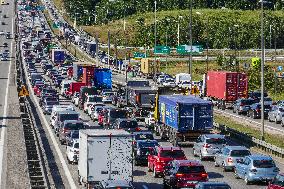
65	130
230	160
204	175
206	145
138	129
134	142
253	170
179	175
242	104
258	110
160	161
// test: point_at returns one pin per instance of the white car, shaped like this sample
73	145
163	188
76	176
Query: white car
2	33
185	85
72	152
107	97
76	100
95	113
93	107
169	82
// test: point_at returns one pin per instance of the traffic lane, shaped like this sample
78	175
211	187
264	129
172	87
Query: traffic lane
269	126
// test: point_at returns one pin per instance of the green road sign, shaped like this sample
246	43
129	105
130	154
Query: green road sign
255	62
162	50
139	55
55	25
185	49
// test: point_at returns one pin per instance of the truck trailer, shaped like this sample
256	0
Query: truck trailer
57	56
105	155
226	87
103	78
182	118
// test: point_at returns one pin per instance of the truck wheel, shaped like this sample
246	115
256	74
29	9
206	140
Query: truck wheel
194	153
155	175
201	157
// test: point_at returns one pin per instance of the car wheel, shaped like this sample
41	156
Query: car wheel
282	124
236	174
165	186
149	169
69	162
269	118
246	180
215	163
276	120
238	112
194	153
253	115
224	167
234	110
155	175
201	157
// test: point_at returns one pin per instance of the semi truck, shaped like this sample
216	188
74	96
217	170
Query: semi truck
182	118
84	92
57	56
105	155
91	47
103	78
73	87
226	87
148	67
78	69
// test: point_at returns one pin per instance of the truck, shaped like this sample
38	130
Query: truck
182	77
141	97
91	47
84	92
57	56
182	118
78	69
105	155
88	75
147	67
103	78
226	87
73	87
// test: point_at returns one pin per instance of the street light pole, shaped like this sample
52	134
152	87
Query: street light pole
155	59
190	42
262	70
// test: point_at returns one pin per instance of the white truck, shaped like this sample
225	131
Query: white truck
182	77
105	155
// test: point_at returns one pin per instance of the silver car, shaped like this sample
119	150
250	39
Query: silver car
276	114
256	168
229	155
207	145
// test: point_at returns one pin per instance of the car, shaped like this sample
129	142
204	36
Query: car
107	96
142	135
3	23
185	85
276	114
92	108
242	106
126	124
169	82
256	95
96	112
141	150
5	45
4	16
48	105
256	168
73	135
255	111
150	120
229	155
2	33
67	126
115	184
207	145
184	174
72	152
160	156
212	185
277	182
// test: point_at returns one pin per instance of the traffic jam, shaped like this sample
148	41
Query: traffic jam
135	134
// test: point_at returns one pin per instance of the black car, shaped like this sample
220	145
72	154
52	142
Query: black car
256	95
5	45
242	106
142	135
142	149
126	124
255	111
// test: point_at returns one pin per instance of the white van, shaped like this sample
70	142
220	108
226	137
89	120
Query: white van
58	108
182	77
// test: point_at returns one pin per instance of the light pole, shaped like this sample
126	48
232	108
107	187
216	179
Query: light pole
262	70
236	46
178	32
155	57
190	43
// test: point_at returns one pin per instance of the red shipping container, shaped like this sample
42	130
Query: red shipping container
88	75
227	86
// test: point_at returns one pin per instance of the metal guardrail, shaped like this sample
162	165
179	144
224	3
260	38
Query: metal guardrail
250	141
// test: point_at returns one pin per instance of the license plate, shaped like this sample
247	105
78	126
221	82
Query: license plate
191	182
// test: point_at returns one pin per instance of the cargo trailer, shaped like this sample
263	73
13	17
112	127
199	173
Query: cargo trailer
105	155
57	56
183	118
226	87
103	78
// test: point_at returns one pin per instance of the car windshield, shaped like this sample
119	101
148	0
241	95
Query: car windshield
263	163
216	141
119	187
76	145
64	117
240	153
144	137
172	154
128	124
216	186
74	126
279	180
52	103
281	109
191	169
148	144
247	102
95	99
75	135
118	113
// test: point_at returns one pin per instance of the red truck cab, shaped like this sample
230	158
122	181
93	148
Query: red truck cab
37	89
277	183
160	156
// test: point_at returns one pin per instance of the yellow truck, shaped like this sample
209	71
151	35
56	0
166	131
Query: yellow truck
147	67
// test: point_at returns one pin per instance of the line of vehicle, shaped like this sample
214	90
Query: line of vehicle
53	139
4	122
251	121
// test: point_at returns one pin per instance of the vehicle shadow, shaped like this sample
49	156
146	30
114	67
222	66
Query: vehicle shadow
138	173
145	185
213	175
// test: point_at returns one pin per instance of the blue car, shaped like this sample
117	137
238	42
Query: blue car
256	168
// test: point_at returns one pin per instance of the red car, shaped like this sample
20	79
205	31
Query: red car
37	88
184	174
277	183
160	156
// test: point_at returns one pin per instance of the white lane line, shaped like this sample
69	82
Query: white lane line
144	186
251	121
53	139
4	122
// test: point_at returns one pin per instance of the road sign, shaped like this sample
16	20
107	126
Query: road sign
279	68
162	50
23	91
195	90
255	62
185	49
138	55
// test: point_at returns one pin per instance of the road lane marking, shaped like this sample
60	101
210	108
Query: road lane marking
4	122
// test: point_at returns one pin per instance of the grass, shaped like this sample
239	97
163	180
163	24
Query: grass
270	138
